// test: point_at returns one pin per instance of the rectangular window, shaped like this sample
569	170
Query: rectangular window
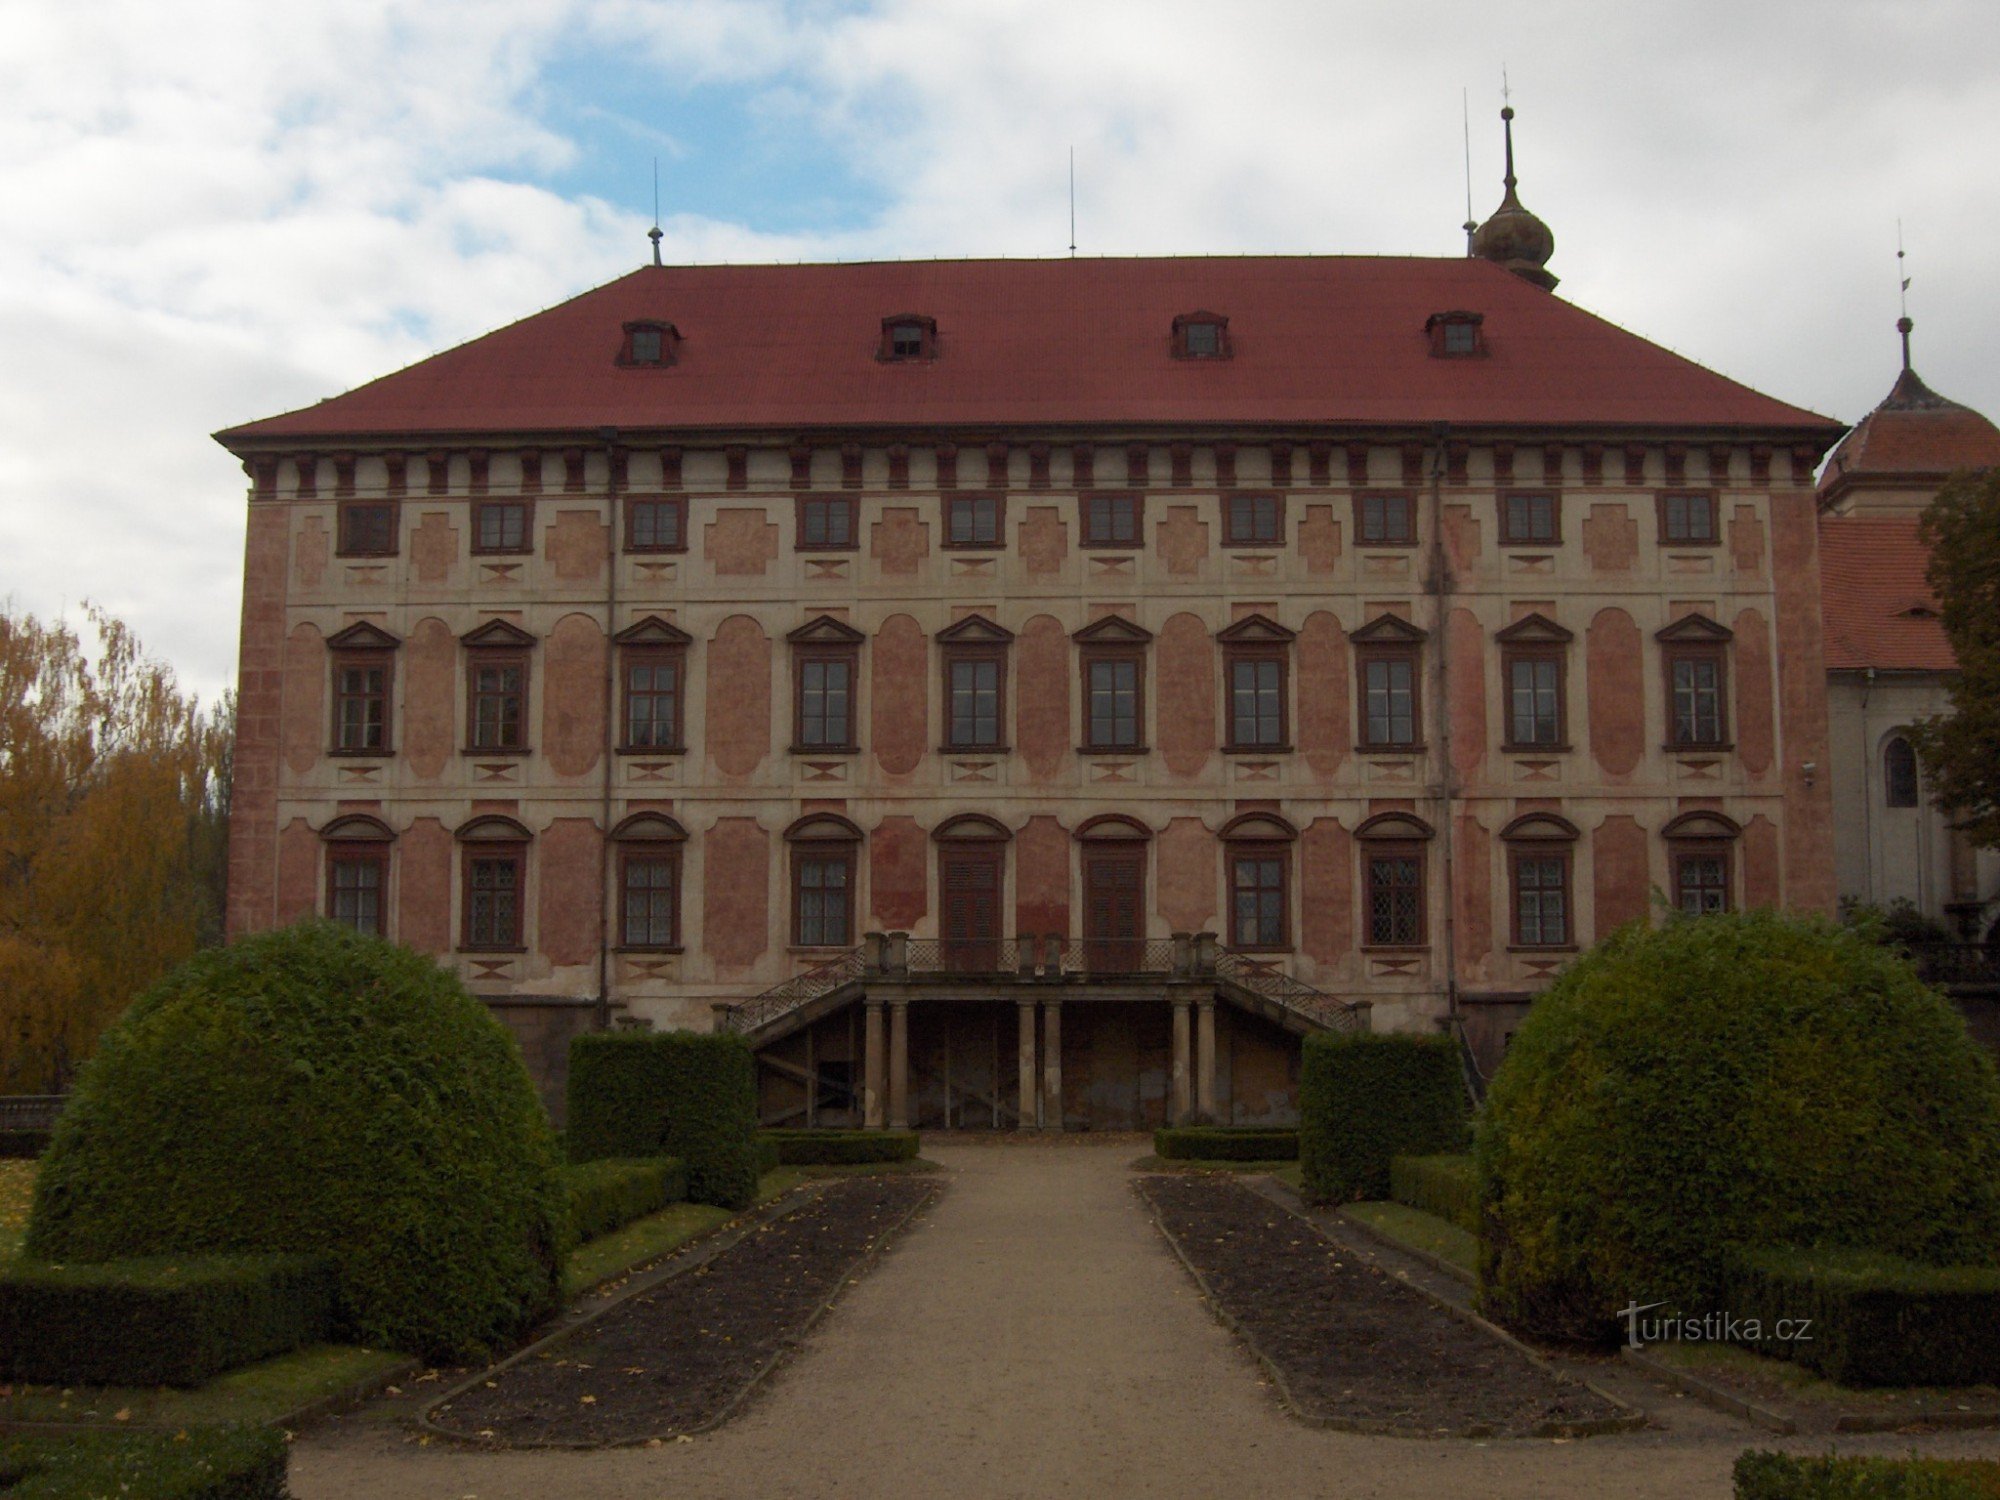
493	896
826	701
1688	519
1701	881
1113	711
652	681
972	521
1111	520
649	881
1389	699
655	525
361	704
826	523
498	710
1385	520
500	526
823	911
1534	700
1396	898
1253	521
1461	337
367	528
1529	520
1256	702
1541	900
1695	682
1257	901
975	688
356	879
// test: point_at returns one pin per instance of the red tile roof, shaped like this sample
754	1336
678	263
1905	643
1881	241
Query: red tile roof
1871	579
1316	340
1915	433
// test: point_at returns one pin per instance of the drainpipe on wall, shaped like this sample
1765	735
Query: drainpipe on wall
1445	790
1867	787
609	437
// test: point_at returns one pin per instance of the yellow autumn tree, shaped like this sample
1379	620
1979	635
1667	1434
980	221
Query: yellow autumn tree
113	812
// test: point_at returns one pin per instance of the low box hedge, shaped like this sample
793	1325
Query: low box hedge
21	1145
1875	1320
1365	1100
1447	1186
1783	1476
213	1463
1225	1143
159	1321
687	1094
609	1194
833	1148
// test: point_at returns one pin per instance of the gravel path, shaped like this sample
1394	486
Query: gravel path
1031	1336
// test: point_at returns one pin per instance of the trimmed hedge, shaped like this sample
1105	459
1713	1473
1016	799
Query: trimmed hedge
609	1194
21	1145
828	1148
1225	1143
1782	1476
1722	1084
1367	1099
669	1093
158	1322
1876	1320
203	1463
766	1153
1446	1186
314	1091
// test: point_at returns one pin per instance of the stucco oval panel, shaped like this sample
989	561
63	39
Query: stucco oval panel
423	886
1325	716
576	545
738	717
1186	715
299	855
735	894
1616	702
1041	878
573	695
1475	898
1042	696
301	728
1762	881
566	924
430	698
1187	867
1326	891
899	696
1621	885
1755	731
1468	691
898	853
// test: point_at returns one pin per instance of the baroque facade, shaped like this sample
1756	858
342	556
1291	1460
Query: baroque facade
1022	692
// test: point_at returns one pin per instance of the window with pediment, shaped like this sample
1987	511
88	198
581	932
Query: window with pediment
652	685
1112	654
1256	657
1534	680
1540	868
497	657
974	652
363	662
1395	880
1694	655
826	675
1388	661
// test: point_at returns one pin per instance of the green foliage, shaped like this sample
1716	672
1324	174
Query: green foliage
157	1322
765	1154
22	1145
1901	924
214	1463
1366	1099
1725	1083
670	1093
1447	1186
316	1091
1962	530
1782	1476
1875	1320
1225	1143
834	1148
610	1193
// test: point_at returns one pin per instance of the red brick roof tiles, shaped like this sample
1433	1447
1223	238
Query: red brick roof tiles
1877	607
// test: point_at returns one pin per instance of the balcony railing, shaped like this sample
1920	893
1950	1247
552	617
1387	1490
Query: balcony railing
800	989
30	1111
1265	978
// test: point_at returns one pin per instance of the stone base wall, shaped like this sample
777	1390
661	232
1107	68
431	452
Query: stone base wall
544	1027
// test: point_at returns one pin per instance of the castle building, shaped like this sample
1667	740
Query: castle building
1034	693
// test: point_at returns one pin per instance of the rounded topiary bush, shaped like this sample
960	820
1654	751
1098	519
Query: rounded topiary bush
315	1090
1727	1082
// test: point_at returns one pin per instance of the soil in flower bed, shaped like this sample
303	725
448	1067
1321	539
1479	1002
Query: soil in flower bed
1355	1347
676	1357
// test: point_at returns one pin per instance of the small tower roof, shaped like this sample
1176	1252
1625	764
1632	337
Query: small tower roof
1514	237
1911	442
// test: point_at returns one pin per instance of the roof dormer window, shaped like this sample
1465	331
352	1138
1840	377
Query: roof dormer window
907	337
649	343
1455	335
1201	335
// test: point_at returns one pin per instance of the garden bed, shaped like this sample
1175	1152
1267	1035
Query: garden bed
1809	1404
1349	1346
678	1357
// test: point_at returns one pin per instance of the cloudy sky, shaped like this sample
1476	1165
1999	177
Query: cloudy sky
218	210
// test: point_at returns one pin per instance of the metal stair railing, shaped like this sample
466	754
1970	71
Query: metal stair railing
800	989
1264	977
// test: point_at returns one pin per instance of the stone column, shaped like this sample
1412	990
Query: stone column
899	1065
1029	1092
871	1077
1183	1045
1052	1110
1204	1063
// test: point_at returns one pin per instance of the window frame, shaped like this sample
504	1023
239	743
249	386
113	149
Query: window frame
349	659
822	641
1387	640
373	853
344	525
649	654
849	504
1440	327
1260	851
1563	852
487	658
1664	505
676	505
1531	639
1232	536
1685	852
1696	639
649	851
927	340
844	853
628	352
1894	794
515	852
1112	502
498	506
1407	537
975	656
957	500
1510	537
1182	343
1382	852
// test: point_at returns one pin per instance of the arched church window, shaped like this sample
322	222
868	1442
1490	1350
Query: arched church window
1899	773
